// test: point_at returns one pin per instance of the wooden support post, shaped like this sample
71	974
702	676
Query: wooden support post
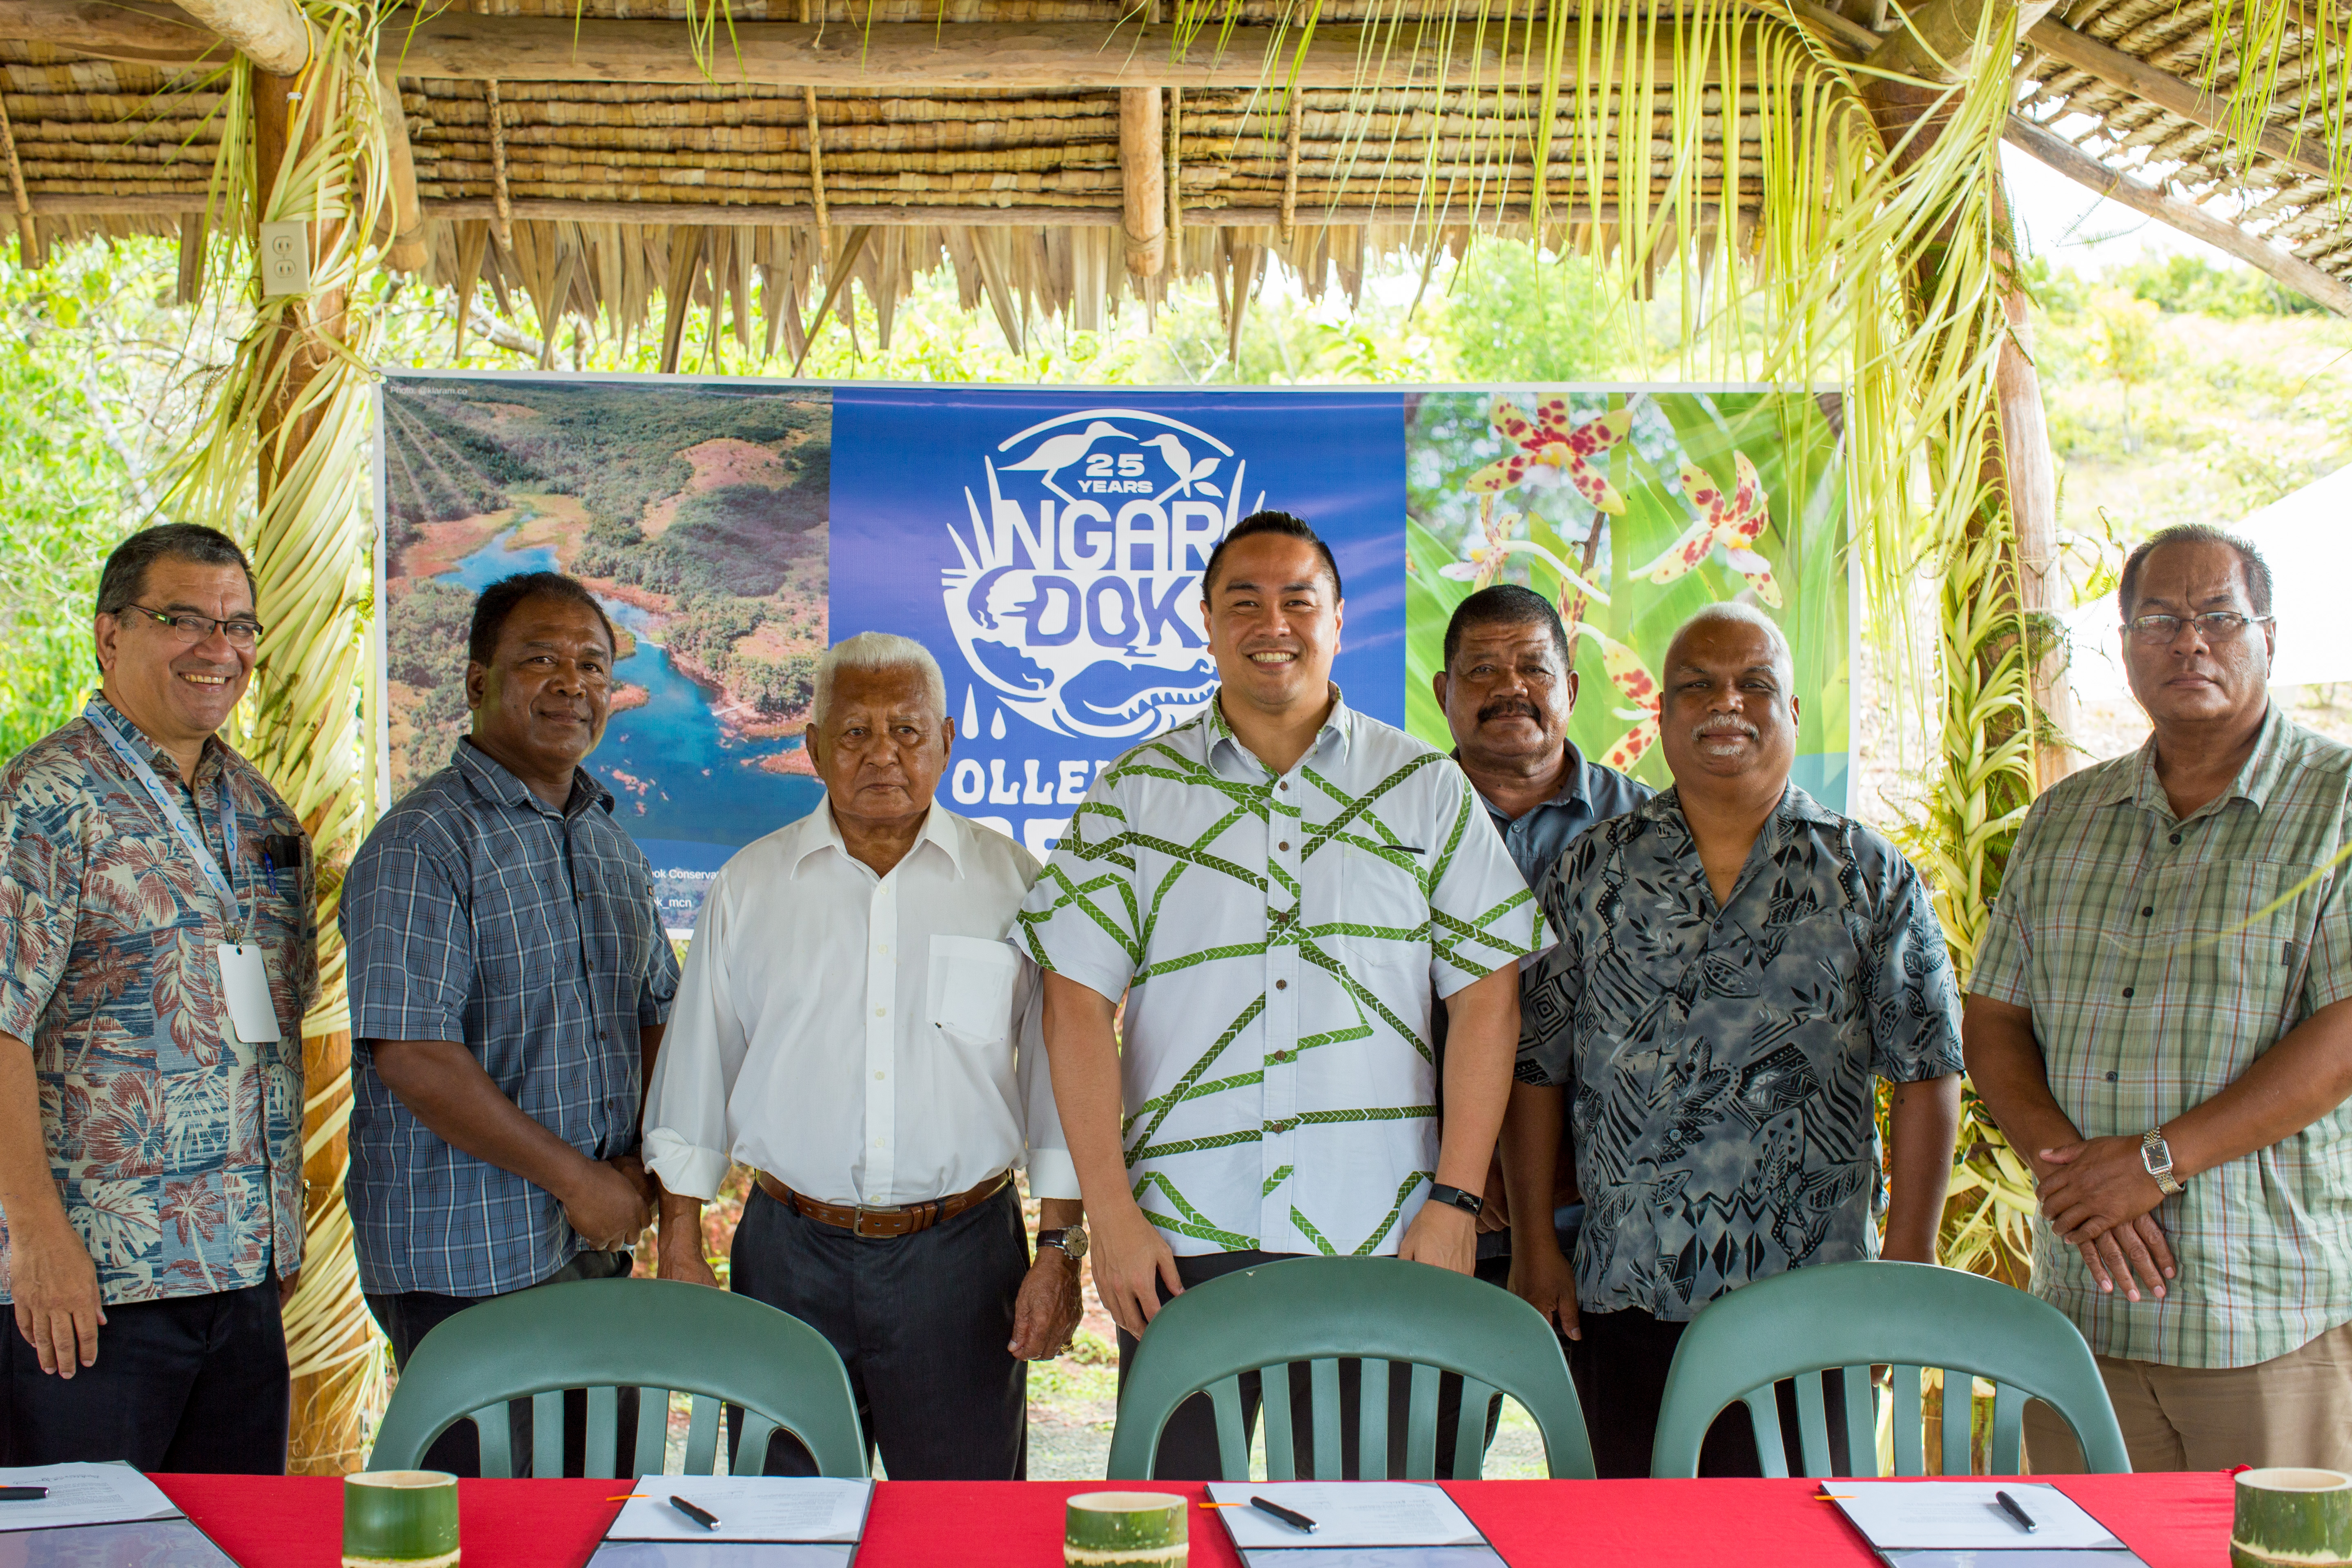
817	173
2028	475
28	239
1290	170
407	252
1938	43
1142	181
1175	183
301	350
502	202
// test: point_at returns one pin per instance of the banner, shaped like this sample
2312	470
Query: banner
1047	545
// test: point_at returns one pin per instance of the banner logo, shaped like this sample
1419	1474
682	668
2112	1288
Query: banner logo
1077	598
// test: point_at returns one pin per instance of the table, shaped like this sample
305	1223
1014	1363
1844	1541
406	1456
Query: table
2179	1521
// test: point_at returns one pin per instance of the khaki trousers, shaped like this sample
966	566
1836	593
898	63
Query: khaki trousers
2296	1409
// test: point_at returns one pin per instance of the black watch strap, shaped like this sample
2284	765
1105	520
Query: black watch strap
1469	1202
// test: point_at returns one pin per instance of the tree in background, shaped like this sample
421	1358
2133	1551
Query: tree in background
2125	347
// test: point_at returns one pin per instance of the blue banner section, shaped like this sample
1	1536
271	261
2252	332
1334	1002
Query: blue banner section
1047	545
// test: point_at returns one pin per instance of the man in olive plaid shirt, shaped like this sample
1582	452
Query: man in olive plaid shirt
2161	1020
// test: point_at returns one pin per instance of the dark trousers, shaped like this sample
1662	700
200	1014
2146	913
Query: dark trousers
921	1321
407	1316
1621	1366
194	1383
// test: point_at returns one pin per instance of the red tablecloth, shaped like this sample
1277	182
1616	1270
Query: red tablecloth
2171	1520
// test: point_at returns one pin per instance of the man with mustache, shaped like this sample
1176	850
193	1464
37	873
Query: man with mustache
155	905
1508	687
510	980
1262	884
1737	965
2160	1018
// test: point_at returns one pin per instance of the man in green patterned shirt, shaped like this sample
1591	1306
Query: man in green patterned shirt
2160	1018
1275	887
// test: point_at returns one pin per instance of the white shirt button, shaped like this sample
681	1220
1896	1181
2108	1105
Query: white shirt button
879	1076
881	1012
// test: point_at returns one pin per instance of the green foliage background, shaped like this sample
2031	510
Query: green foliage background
1792	440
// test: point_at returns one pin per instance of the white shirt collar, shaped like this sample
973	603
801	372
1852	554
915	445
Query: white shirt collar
818	830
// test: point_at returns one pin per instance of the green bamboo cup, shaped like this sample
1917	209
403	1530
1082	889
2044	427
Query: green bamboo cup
1124	1529
400	1519
2293	1519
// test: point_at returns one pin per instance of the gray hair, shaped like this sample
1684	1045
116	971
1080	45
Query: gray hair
874	652
1746	616
2253	567
123	579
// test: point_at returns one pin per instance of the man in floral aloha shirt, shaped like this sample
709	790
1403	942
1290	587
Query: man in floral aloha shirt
151	1154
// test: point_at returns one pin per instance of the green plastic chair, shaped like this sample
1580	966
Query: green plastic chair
1320	1311
603	1335
1910	1316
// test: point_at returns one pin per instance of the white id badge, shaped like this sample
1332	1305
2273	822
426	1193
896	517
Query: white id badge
247	982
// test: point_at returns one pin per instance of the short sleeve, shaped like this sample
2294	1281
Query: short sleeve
406	929
40	903
1915	998
2004	957
1551	986
1082	918
1482	917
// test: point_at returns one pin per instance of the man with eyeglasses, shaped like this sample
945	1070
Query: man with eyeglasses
156	914
2161	1019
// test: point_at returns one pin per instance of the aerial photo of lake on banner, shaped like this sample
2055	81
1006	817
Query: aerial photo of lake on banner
698	518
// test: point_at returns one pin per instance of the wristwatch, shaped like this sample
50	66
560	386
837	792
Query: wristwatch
2157	1155
1468	1202
1071	1239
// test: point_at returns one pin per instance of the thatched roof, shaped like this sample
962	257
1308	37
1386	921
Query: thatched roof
588	157
2153	93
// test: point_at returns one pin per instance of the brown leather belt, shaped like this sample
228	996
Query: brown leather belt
878	1224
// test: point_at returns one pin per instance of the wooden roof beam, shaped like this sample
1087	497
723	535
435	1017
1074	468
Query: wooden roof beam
270	33
2165	90
2055	151
126	30
923	56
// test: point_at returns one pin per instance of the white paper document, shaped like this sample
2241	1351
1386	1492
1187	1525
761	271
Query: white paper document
748	1507
82	1494
1346	1513
1965	1516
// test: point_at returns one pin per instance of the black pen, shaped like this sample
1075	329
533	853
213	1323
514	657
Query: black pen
1290	1517
703	1516
23	1494
2008	1505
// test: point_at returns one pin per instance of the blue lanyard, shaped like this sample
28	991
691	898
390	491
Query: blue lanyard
170	807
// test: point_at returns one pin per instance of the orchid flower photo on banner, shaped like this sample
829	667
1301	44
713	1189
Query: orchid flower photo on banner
1630	507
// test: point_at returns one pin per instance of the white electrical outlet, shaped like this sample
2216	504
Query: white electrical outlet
285	258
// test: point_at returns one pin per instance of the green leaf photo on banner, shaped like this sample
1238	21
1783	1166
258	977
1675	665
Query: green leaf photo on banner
1632	507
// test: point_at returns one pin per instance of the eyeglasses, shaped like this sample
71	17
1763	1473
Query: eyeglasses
193	628
2213	625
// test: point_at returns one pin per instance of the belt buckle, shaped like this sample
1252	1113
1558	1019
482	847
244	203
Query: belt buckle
857	1222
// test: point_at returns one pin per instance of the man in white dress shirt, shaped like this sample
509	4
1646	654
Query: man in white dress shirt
885	1119
1276	887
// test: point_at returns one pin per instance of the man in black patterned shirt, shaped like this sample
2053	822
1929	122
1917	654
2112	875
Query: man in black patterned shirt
1737	965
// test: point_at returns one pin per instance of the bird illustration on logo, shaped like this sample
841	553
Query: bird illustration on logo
1189	476
1056	453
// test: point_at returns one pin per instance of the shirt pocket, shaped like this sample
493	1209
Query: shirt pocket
2227	965
969	989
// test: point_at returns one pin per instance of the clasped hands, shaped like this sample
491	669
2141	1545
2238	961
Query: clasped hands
2099	1198
610	1201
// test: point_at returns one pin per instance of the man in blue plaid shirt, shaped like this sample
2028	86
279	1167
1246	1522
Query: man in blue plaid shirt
510	980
